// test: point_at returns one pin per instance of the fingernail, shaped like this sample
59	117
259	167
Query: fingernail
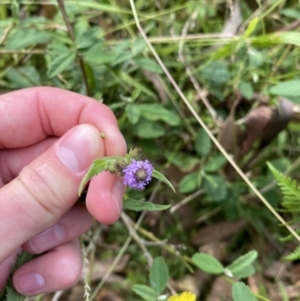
78	149
117	195
29	283
47	239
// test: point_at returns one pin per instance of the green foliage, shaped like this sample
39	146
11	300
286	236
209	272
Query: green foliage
136	205
208	263
203	143
109	61
291	196
286	88
240	268
146	292
10	294
61	63
289	188
158	277
242	292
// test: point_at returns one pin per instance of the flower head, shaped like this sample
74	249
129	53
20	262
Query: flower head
138	174
185	296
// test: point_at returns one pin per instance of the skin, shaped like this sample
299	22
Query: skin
39	188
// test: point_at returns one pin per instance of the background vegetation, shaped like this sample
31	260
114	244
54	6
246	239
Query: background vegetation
237	63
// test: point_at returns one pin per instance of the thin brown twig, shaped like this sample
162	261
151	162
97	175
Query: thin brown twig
188	68
73	38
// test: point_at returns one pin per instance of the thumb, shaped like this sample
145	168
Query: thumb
47	187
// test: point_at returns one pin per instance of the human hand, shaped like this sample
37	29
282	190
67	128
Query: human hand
48	139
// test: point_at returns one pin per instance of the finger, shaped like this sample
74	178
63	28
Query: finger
56	270
105	197
74	223
5	268
31	115
47	188
13	161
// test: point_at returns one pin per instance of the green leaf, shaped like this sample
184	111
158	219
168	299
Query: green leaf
157	175
241	292
97	166
215	187
135	205
23	38
15	8
190	182
10	293
159	275
242	262
146	292
148	130
203	143
216	73
133	113
285	37
251	27
207	263
149	65
215	163
184	162
155	112
88	38
249	270
246	90
287	88
23	77
61	63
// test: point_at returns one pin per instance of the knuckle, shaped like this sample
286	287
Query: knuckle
39	185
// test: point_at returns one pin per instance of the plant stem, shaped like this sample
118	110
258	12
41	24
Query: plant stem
73	38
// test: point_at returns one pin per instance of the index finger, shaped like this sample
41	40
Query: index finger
30	115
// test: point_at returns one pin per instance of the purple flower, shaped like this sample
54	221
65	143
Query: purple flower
138	174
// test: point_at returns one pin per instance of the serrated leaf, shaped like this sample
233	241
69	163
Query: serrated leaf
157	175
136	205
159	275
208	263
10	293
61	63
241	292
97	166
21	259
203	143
13	295
146	292
242	262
